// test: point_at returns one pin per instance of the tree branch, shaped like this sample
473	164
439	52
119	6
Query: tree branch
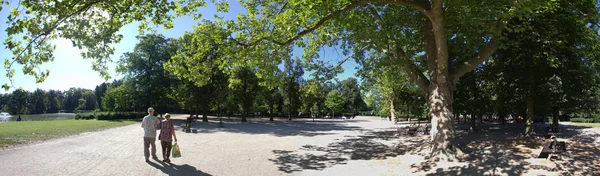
409	3
437	4
415	74
474	61
429	43
319	23
46	33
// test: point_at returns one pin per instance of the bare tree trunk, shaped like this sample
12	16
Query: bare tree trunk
530	103
392	111
530	116
271	112
457	118
473	128
204	116
555	119
480	118
408	111
244	116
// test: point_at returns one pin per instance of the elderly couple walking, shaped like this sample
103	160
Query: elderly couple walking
151	124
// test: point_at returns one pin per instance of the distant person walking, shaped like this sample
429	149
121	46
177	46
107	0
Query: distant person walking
19	118
166	136
150	123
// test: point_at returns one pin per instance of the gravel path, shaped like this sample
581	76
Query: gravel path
325	147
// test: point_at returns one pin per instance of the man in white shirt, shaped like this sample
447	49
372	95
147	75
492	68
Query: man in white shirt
150	124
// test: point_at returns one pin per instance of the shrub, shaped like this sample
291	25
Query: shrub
84	116
110	115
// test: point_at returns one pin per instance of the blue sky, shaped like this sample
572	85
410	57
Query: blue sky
69	69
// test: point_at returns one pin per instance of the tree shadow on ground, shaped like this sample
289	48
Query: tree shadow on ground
370	146
173	169
582	152
294	128
498	150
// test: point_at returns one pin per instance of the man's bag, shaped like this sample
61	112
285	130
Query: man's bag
176	152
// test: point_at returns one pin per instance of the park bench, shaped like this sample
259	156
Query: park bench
553	148
423	129
419	129
549	132
412	129
188	124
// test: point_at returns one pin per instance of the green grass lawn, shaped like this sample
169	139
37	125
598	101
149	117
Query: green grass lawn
28	131
594	125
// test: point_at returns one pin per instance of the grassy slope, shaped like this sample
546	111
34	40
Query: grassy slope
27	131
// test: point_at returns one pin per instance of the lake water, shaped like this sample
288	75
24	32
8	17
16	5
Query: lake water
41	117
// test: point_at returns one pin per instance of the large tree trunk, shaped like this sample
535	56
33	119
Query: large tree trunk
530	115
442	123
244	116
440	90
204	116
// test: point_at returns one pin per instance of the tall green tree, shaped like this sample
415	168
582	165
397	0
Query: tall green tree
4	102
55	98
335	102
41	101
350	90
220	82
292	78
19	101
144	67
99	91
120	97
373	100
196	61
551	61
244	88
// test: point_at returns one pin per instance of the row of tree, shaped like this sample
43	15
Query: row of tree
149	82
53	101
153	79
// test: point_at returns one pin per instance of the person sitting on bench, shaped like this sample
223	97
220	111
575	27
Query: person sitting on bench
188	122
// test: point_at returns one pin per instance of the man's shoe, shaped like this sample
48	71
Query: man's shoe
155	158
147	160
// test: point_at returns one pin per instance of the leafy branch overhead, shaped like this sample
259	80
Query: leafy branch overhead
91	26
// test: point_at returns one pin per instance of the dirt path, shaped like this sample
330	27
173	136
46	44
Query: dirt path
361	146
238	149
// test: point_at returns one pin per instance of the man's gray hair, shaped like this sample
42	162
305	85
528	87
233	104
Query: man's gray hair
150	110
